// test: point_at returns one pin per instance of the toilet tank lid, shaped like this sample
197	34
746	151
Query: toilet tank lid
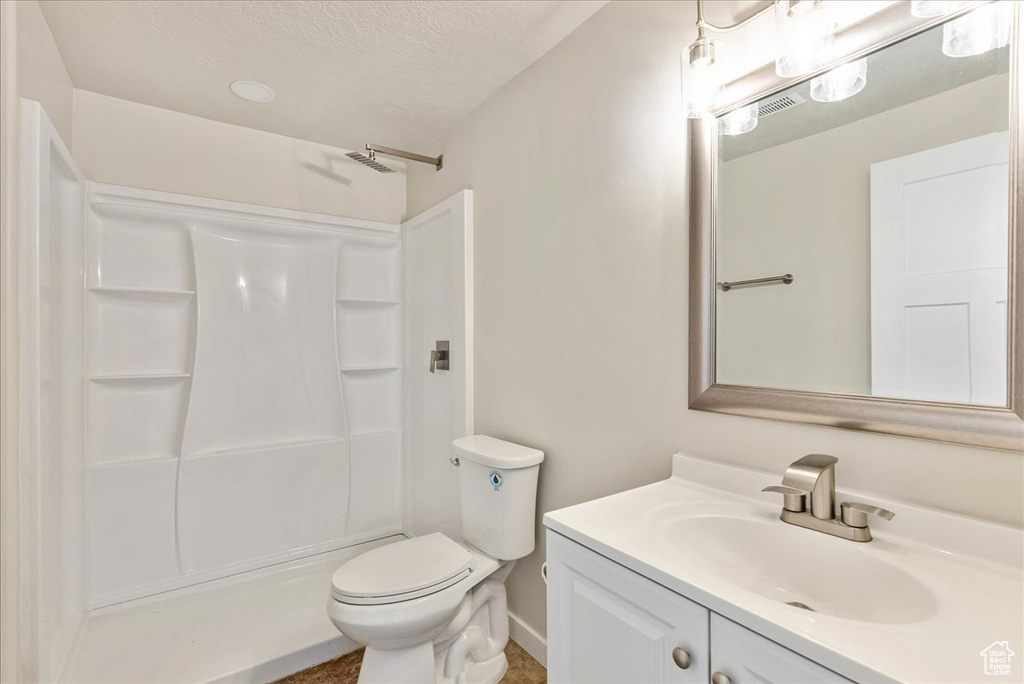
496	453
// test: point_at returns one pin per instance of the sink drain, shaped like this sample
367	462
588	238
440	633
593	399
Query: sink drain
797	604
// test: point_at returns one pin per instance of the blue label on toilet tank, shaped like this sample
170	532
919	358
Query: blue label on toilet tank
496	479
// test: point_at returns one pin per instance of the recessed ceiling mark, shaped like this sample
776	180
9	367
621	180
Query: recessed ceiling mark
253	91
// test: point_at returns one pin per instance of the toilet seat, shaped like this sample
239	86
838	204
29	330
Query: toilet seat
402	571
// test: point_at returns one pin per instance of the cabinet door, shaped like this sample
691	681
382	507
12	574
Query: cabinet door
745	657
609	624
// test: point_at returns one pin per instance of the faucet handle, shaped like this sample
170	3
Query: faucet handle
792	498
816	461
856	514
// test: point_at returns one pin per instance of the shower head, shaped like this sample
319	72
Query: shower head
370	160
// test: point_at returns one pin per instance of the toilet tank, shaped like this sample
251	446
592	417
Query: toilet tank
498	493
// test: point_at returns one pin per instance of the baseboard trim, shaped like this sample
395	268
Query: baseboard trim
527	637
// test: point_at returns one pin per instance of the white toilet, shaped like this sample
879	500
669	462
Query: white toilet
429	609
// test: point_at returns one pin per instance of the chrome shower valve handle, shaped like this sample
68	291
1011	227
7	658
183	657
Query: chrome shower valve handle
439	359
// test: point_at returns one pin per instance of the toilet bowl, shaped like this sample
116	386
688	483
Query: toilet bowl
429	608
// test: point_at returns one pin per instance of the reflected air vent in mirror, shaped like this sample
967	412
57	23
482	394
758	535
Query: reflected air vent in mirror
778	104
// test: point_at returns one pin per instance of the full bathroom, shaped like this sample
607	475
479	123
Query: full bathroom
466	341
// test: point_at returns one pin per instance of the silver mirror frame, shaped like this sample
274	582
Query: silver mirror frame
990	427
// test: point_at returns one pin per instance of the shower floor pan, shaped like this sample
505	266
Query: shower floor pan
253	628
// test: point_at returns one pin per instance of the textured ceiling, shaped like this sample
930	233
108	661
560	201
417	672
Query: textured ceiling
394	73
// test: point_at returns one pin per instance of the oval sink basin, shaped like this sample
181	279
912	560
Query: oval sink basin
802	568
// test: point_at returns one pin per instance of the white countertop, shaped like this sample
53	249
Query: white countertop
971	569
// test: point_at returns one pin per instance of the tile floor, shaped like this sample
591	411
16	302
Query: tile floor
522	669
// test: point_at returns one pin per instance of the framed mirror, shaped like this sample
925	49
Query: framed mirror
857	240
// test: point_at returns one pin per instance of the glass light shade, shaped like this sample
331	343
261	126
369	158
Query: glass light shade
804	37
846	80
984	29
739	121
934	8
701	86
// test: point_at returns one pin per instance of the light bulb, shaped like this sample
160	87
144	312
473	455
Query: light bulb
934	8
804	36
984	29
846	80
739	121
701	87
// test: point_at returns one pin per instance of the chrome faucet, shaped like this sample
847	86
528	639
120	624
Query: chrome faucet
809	498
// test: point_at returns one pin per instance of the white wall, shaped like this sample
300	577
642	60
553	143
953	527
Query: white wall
127	143
30	67
579	172
51	399
815	334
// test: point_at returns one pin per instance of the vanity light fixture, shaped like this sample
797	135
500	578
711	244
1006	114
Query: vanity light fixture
986	28
805	42
804	35
701	83
846	80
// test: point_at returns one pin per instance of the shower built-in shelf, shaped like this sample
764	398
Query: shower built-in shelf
139	377
370	369
158	292
375	434
370	302
267	446
134	460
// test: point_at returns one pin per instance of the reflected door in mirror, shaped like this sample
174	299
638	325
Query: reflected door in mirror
938	273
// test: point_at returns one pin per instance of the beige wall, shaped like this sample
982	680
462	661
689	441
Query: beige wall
127	143
10	620
41	73
815	334
579	172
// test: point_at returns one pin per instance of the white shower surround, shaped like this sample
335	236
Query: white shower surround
216	391
241	374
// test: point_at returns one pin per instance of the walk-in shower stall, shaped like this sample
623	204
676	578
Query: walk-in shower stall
220	404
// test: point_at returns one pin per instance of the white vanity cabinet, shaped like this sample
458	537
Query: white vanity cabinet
746	657
608	624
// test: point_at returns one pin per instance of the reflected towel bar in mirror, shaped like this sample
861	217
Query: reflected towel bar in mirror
785	279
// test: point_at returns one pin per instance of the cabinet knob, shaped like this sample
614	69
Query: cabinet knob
720	678
681	657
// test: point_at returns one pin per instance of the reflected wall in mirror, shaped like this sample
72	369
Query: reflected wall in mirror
883	188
